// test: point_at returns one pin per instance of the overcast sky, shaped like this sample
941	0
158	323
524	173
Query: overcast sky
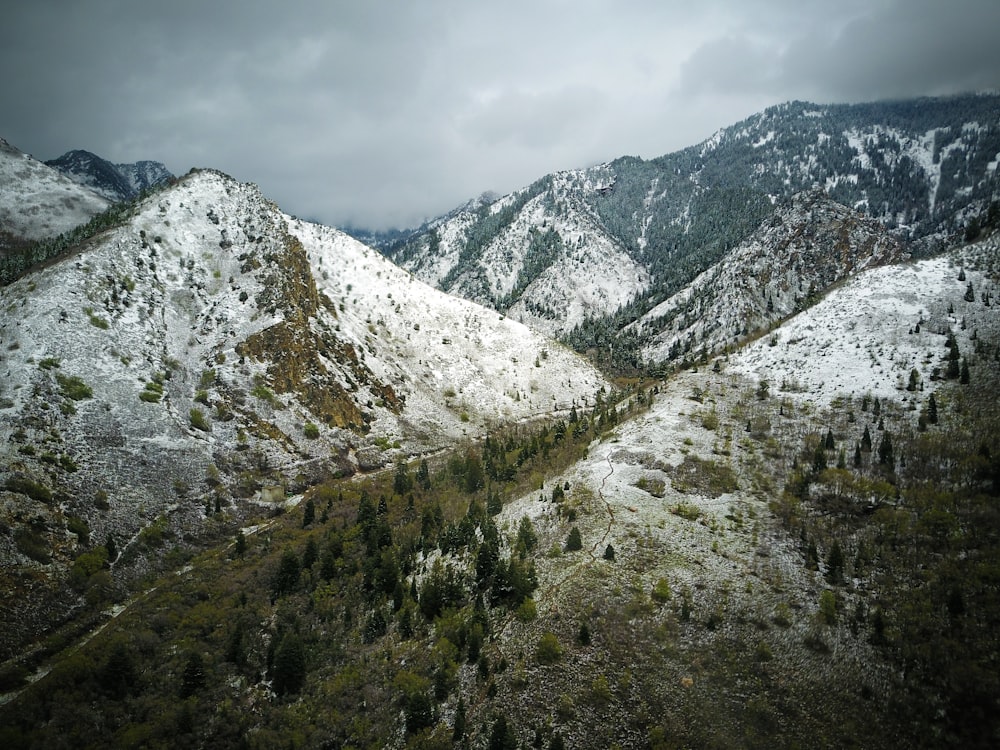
381	113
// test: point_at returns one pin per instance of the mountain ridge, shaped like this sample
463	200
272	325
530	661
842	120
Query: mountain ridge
116	182
924	168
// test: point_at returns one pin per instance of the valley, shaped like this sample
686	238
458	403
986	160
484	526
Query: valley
263	487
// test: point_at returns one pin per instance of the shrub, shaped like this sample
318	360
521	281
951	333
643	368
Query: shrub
661	591
527	611
311	431
548	650
29	487
73	387
199	421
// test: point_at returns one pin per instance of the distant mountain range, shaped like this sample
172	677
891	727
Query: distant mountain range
116	182
584	253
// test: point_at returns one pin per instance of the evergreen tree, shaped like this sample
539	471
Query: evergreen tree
609	553
932	414
118	675
527	540
287	576
964	377
309	513
112	548
502	737
835	564
289	670
309	554
857	455
866	441
830	444
458	733
241	543
574	541
885	456
193	677
401	482
424	475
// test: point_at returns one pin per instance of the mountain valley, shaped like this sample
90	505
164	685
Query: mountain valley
263	487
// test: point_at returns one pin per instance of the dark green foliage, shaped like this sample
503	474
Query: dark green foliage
527	540
289	670
118	676
402	483
885	453
835	564
25	486
866	441
574	541
423	476
286	579
308	513
73	387
193	677
502	736
583	635
609	553
458	732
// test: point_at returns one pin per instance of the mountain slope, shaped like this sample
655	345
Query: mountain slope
116	182
923	168
38	202
804	248
212	347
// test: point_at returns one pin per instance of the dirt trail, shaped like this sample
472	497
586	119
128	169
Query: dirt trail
607	505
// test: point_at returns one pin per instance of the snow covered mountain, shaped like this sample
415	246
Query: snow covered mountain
116	182
38	202
568	252
211	348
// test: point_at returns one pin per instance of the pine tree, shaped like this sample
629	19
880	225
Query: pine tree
830	444
309	513
964	377
932	415
401	483
574	541
424	475
287	576
289	670
835	564
857	455
885	456
458	733
609	553
193	677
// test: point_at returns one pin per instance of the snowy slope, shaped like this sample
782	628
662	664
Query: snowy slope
866	336
804	248
213	347
37	201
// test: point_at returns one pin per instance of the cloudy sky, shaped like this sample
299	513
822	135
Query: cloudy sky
380	113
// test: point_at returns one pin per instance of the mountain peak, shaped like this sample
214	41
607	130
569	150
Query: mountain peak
116	182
